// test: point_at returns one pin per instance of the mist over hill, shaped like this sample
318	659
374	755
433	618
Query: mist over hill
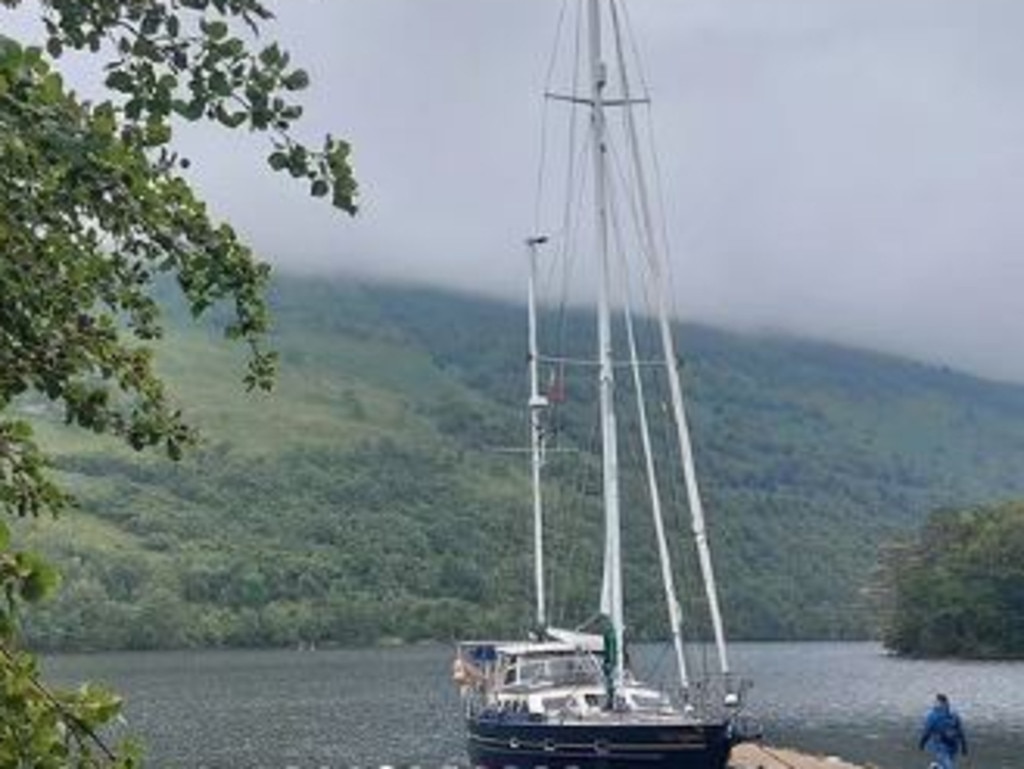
379	493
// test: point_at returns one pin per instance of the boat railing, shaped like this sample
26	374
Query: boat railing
719	696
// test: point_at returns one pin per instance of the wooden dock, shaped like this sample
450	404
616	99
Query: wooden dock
758	756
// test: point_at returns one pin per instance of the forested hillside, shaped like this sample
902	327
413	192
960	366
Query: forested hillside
379	493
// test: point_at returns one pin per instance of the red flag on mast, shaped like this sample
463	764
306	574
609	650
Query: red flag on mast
556	385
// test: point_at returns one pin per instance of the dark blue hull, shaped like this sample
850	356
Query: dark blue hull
497	744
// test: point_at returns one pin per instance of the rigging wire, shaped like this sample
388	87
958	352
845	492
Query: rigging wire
567	213
627	289
649	243
652	145
699	607
655	158
622	9
542	160
567	257
633	450
670	481
567	238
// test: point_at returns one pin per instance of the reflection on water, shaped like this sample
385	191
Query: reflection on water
369	707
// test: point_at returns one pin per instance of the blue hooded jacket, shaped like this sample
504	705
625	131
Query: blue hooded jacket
943	730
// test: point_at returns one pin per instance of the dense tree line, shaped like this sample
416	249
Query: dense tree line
318	546
956	589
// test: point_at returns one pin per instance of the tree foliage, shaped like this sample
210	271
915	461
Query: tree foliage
957	589
95	215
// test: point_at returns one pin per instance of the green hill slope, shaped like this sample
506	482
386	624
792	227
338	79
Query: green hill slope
368	497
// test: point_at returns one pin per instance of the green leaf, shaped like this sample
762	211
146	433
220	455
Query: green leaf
271	56
296	80
40	581
278	160
219	84
104	119
215	30
231	119
192	110
52	88
119	80
151	22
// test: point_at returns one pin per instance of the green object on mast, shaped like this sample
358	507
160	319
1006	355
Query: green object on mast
611	654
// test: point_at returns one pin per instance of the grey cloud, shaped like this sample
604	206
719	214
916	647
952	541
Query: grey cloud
849	169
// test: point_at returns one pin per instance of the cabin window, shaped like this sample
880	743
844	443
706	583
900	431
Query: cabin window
557	704
572	670
533	671
649	701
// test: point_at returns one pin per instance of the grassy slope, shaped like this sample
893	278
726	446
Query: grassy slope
356	501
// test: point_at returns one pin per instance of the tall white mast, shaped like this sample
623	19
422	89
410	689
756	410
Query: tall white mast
658	277
667	578
611	594
537	404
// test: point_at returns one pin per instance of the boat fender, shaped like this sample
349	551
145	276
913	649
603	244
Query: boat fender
465	674
460	674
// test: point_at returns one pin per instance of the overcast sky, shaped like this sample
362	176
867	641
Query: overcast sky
848	169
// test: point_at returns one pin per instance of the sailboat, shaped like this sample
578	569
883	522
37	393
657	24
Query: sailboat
562	698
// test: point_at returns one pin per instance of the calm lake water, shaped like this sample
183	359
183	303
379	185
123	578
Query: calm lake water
345	708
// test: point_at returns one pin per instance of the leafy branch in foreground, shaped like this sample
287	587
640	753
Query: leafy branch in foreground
40	727
94	214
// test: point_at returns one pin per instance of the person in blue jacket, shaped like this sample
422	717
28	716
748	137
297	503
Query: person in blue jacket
943	734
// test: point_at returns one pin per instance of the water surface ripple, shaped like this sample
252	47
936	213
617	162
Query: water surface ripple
344	708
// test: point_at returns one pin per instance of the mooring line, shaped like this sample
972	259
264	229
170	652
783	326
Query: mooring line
775	756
